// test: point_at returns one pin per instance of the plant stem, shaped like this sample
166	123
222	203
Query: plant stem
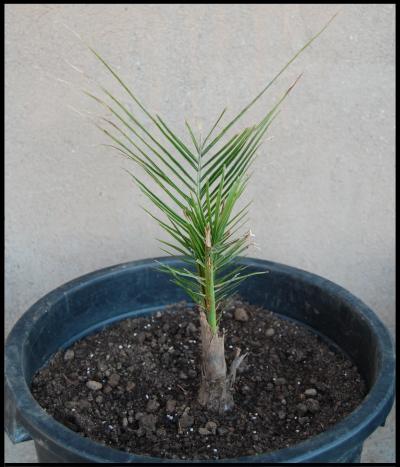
212	315
209	283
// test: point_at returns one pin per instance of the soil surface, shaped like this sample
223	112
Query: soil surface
133	386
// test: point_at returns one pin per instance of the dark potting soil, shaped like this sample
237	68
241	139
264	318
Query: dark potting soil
133	386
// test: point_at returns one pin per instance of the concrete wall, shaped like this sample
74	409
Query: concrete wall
323	186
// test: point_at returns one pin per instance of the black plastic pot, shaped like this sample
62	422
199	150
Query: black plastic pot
95	300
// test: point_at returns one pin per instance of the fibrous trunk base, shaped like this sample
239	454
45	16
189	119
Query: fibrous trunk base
216	385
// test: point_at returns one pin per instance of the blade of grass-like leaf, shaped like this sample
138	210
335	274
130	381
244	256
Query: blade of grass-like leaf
198	217
209	213
217	206
233	231
195	143
173	231
232	222
127	89
153	174
182	240
228	289
242	112
226	157
166	152
245	164
227	147
188	180
185	273
227	208
220	275
249	140
148	164
228	251
189	285
214	126
236	172
178	141
159	203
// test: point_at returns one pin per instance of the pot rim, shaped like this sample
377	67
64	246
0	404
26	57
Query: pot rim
349	432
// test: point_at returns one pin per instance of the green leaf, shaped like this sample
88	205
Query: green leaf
214	126
199	190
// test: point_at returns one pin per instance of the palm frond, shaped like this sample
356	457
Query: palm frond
200	190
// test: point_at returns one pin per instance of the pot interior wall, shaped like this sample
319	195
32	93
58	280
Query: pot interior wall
332	313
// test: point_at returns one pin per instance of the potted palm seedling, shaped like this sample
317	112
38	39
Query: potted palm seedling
202	188
90	391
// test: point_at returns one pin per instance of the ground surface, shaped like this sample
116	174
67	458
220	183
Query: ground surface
133	386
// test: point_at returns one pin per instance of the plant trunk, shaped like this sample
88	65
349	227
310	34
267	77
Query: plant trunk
216	384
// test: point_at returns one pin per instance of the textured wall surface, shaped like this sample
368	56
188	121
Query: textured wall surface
323	185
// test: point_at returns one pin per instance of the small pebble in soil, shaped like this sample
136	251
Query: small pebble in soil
94	385
303	420
186	420
148	422
302	408
113	380
130	386
280	381
152	405
281	414
69	355
312	405
211	426
270	332
170	405
241	315
102	366
310	392
191	328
